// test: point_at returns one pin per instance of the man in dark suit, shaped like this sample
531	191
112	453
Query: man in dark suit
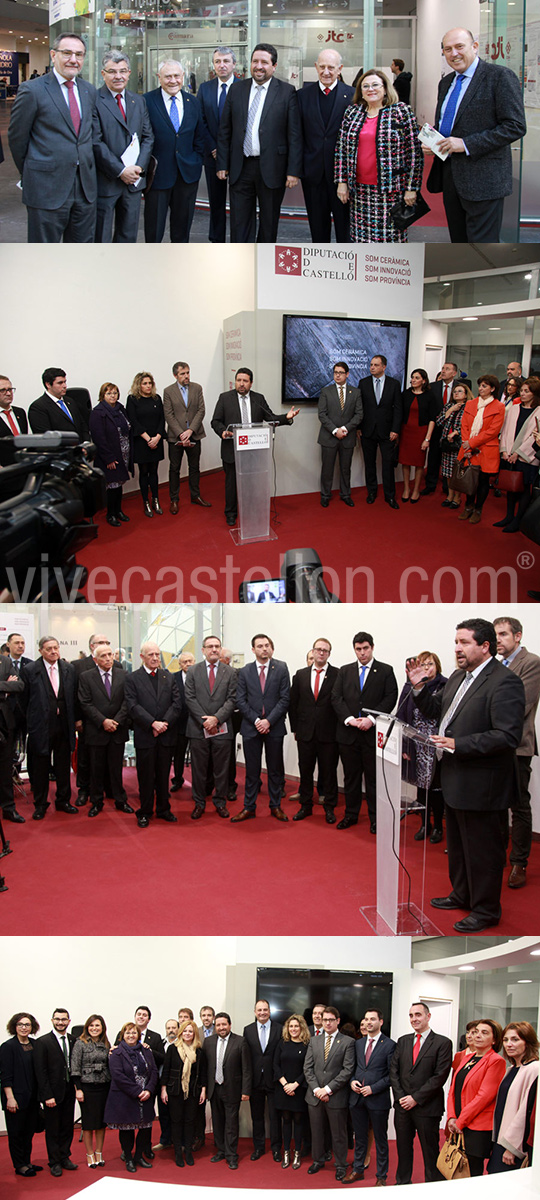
153	706
527	667
56	411
12	420
259	147
11	690
50	138
328	1066
50	717
262	695
185	660
148	1037
361	685
480	713
210	692
80	665
240	407
262	1037
313	722
316	1029
321	106
16	647
229	1082
183	405
479	114
101	698
369	1100
419	1068
380	426
340	414
212	95
56	1090
402	80
441	391
179	146
121	123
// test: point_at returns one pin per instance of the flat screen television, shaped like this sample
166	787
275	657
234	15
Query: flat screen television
311	346
296	989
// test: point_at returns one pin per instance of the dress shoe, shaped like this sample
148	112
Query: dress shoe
286	1159
141	1162
324	502
11	814
256	1155
231	520
179	1160
35	1166
380	1182
467	512
276	1155
68	1165
371	498
476	517
176	784
222	811
130	1166
197	812
112	520
445	902
302	813
232	1164
29	1170
157	509
56	1170
347	500
446	504
315	1168
189	1159
340	1174
346	822
247	814
173	507
143	822
123	806
217	1157
422	833
353	1176
82	798
472	924
39	813
295	796
148	513
149	1154
437	836
66	808
202	503
389	500
167	816
122	516
278	814
95	810
427	491
517	877
372	826
330	816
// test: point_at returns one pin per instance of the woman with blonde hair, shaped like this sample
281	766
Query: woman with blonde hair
291	1087
145	415
183	1088
513	1125
92	1079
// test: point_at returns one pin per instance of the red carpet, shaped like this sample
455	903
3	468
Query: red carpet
422	553
102	859
262	1174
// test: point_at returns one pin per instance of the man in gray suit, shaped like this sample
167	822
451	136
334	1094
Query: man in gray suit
183	405
50	137
328	1067
120	117
527	666
479	114
210	695
340	414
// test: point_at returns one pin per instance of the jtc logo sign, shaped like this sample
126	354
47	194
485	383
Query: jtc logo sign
288	260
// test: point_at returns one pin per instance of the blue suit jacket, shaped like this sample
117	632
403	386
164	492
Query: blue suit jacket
275	699
320	141
207	96
376	1075
176	152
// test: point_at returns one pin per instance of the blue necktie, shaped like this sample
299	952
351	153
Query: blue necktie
222	99
450	110
185	395
262	1036
64	408
362	677
173	113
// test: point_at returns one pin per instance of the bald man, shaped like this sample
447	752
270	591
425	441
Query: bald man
154	707
321	107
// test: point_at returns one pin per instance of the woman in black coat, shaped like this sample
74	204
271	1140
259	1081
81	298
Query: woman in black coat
291	1086
183	1088
417	425
421	758
19	1091
145	414
110	430
130	1103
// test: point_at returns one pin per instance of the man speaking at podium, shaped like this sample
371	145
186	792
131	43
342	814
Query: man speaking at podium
240	407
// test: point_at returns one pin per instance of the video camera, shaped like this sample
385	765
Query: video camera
49	494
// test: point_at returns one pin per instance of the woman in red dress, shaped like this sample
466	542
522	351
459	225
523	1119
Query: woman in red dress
418	423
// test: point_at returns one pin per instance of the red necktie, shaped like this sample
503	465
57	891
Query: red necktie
445	397
318	673
369	1049
120	105
416	1047
153	674
211	678
327	91
73	107
262	678
11	422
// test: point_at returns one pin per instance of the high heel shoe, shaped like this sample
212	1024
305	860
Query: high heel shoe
100	1161
405	499
147	509
296	1163
90	1160
157	507
286	1159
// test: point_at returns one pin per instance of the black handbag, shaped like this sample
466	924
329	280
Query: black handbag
404	215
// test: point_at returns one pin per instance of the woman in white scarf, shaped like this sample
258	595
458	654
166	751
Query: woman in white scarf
183	1088
518	450
480	427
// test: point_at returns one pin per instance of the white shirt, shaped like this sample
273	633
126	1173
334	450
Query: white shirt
65	90
263	88
167	100
330	89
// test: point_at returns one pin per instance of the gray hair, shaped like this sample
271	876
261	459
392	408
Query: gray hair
225	50
169	62
68	34
115	56
49	637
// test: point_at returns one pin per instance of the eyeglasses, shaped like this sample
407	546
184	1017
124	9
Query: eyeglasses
24	1025
7	391
80	54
